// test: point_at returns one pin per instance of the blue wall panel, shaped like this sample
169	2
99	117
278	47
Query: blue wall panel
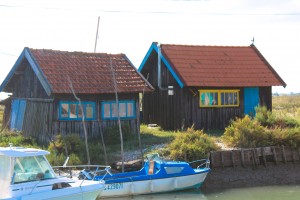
17	114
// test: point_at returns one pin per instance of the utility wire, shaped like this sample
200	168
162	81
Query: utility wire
7	54
157	12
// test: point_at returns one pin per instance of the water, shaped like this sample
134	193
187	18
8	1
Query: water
255	193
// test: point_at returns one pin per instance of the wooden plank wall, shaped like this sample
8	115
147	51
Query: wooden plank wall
40	123
254	157
182	109
26	84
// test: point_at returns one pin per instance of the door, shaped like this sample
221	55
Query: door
251	100
17	114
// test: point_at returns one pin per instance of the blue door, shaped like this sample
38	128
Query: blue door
17	114
251	100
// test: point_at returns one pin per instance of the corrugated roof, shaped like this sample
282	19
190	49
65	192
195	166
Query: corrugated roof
221	66
90	73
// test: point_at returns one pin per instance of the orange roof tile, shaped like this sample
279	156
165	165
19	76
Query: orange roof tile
221	66
90	73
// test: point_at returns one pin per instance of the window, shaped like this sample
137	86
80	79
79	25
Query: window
31	168
110	109
219	98
72	110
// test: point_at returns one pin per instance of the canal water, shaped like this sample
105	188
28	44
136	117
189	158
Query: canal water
254	193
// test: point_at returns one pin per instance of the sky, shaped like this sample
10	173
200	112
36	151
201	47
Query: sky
130	26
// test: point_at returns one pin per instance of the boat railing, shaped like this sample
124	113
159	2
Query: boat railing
204	163
88	172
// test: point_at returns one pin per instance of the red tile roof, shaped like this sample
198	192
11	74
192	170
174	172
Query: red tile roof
90	73
221	66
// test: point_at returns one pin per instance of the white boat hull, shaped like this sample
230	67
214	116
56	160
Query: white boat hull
153	186
87	190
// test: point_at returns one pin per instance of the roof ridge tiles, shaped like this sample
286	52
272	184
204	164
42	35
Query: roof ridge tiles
192	45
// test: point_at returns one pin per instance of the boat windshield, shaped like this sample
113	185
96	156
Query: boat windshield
32	168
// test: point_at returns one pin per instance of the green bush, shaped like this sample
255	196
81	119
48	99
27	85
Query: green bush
246	132
264	116
191	145
17	139
287	137
270	120
69	145
265	129
112	134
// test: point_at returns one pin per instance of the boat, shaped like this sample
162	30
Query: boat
156	176
25	174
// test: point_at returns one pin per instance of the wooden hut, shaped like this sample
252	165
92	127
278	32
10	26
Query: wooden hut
205	86
44	85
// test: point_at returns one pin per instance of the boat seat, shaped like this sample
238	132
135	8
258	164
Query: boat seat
151	167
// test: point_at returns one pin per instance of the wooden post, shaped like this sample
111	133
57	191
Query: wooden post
232	158
264	156
283	154
293	155
212	159
274	155
222	159
254	157
243	157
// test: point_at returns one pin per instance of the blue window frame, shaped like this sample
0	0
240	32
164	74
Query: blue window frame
110	109
71	110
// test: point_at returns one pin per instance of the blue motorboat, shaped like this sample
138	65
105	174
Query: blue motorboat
157	175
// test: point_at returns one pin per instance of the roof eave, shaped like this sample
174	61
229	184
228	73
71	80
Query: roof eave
269	66
152	48
35	67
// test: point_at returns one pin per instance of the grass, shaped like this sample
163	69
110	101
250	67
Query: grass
287	106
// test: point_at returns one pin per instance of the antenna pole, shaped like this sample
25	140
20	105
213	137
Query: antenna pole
97	35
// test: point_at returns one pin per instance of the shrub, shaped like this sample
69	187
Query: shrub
72	145
246	132
191	145
17	139
287	137
112	134
270	120
264	116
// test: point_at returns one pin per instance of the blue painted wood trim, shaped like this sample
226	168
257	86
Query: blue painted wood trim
164	60
115	118
37	70
12	71
84	110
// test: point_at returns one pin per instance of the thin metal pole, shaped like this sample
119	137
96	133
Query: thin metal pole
97	35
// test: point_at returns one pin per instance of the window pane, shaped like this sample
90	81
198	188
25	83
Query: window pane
114	110
64	110
122	109
79	110
235	101
230	98
106	110
130	111
73	108
89	111
222	98
214	99
209	98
